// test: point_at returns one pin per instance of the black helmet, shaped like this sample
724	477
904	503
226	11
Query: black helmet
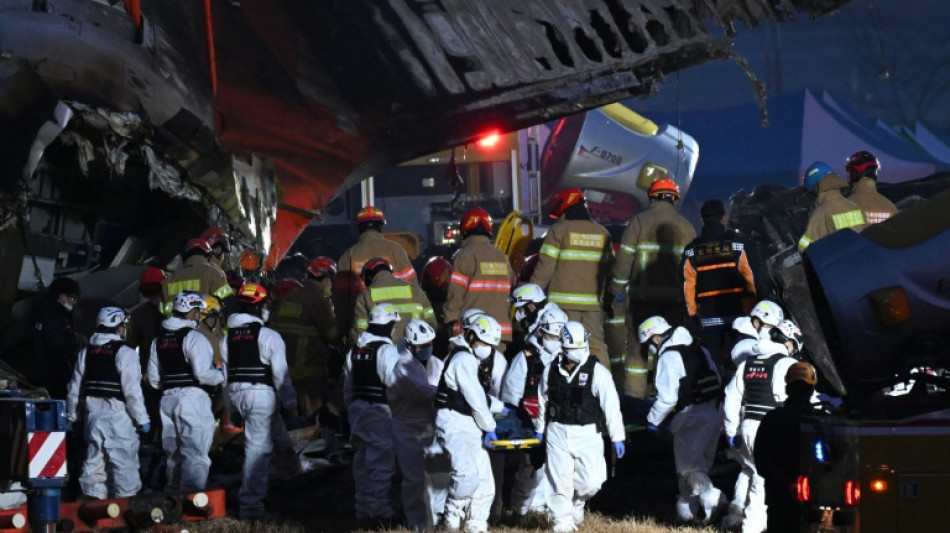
862	164
372	267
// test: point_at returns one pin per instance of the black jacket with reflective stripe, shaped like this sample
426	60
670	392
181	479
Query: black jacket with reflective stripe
101	376
715	257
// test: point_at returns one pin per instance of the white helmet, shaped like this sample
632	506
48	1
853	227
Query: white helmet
574	336
111	317
383	313
655	325
791	332
768	312
552	321
185	301
486	329
525	294
418	332
469	316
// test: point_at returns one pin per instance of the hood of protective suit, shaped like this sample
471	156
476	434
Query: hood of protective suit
242	319
546	356
743	325
98	339
367	337
680	337
768	347
175	323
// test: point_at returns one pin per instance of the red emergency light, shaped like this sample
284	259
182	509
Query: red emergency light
803	489
489	140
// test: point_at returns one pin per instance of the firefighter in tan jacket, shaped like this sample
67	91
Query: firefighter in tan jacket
647	275
305	320
833	211
573	266
383	287
481	276
862	169
372	243
197	275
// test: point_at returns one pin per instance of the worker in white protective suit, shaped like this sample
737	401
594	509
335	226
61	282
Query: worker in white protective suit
411	394
181	366
369	369
107	386
530	303
531	490
764	316
261	390
688	388
463	423
757	388
577	398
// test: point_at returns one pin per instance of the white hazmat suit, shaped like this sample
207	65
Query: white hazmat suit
260	404
695	429
187	420
112	445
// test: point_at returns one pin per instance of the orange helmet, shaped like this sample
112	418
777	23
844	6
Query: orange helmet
476	218
216	236
370	214
565	198
436	274
322	267
198	245
664	185
252	293
374	265
151	275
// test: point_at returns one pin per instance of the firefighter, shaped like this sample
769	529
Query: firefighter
463	423
369	369
181	366
305	320
833	211
145	320
717	281
531	490
196	275
646	278
573	266
435	283
260	388
777	457
411	395
862	169
575	394
220	244
107	386
757	388
481	275
688	388
530	303
55	342
383	286
372	243
749	329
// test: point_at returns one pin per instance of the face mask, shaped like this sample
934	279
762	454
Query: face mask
482	351
577	354
764	334
265	314
520	314
652	348
551	345
423	354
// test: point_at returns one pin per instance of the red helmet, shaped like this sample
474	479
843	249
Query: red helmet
151	275
252	293
322	267
285	287
372	267
662	186
476	218
862	164
563	199
216	236
436	274
370	214
199	244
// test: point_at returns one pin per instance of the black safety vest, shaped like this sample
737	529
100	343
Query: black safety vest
758	399
244	356
700	383
172	366
719	284
447	398
101	377
367	385
535	371
573	402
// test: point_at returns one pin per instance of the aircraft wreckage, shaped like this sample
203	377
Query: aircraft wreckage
129	126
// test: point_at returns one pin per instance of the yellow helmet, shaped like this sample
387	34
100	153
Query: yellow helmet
212	306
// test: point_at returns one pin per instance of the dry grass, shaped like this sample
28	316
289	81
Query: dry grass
595	523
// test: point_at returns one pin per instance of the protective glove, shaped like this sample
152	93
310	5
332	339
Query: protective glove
145	428
490	436
620	298
733	442
620	449
651	427
539	436
505	411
